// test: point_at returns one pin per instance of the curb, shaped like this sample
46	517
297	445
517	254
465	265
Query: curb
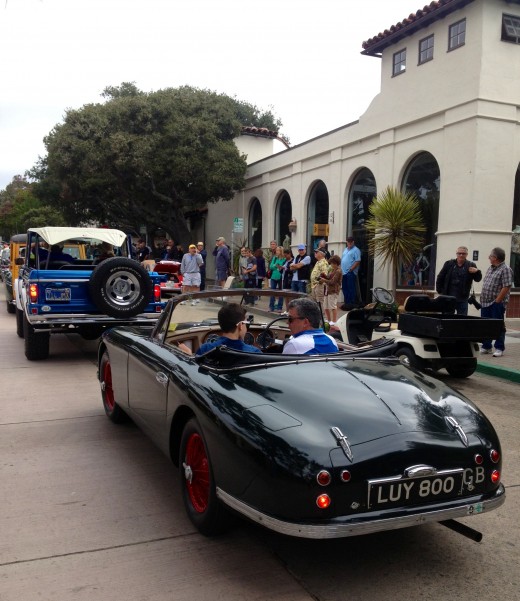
506	373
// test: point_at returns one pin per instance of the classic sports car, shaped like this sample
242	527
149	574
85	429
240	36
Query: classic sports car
316	446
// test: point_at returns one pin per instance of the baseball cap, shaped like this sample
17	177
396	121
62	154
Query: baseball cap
350	239
200	243
320	250
221	239
301	247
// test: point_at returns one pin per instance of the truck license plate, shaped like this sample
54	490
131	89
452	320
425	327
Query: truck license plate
57	294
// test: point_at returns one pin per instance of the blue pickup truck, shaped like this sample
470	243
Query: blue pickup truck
81	280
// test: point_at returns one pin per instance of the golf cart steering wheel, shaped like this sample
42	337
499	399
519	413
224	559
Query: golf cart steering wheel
383	296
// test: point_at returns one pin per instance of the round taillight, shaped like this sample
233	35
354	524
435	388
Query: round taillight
479	460
323	478
495	476
345	476
323	501
495	456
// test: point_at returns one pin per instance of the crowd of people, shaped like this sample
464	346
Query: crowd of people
322	276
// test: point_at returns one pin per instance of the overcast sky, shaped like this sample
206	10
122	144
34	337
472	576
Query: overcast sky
299	57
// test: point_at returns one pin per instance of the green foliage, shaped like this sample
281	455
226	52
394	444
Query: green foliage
41	217
146	158
396	229
20	209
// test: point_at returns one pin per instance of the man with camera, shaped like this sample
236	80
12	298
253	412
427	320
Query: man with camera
456	278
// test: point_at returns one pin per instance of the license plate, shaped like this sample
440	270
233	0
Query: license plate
57	294
396	492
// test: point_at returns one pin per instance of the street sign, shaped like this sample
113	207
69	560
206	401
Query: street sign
238	225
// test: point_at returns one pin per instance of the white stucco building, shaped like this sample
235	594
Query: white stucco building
445	125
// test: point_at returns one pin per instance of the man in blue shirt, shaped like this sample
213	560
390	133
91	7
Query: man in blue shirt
307	336
222	261
350	261
231	319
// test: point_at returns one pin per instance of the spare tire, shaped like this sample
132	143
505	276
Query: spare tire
120	287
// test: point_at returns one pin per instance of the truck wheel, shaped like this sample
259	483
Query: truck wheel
407	357
19	322
36	345
120	287
461	371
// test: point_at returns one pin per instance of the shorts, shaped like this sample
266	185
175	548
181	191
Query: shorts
318	293
221	275
331	301
191	279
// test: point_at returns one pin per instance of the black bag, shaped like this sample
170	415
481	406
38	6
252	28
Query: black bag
472	300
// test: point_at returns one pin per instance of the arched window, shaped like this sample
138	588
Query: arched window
283	217
317	214
423	178
362	193
515	240
254	237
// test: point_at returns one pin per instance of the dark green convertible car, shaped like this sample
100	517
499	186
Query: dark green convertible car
316	446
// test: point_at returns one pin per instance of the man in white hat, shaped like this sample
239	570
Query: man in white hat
301	268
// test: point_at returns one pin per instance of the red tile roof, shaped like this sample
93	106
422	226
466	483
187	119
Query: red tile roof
263	132
422	18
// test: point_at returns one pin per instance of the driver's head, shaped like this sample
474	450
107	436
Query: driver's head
230	316
304	314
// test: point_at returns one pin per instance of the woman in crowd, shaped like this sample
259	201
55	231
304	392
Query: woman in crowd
275	281
332	283
261	270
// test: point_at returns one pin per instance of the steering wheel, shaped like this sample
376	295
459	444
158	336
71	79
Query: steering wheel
265	339
383	296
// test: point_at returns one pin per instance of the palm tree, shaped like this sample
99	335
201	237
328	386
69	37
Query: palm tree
396	229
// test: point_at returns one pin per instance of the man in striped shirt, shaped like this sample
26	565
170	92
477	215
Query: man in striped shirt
494	296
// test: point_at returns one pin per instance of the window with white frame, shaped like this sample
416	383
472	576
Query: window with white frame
426	49
399	64
457	35
511	29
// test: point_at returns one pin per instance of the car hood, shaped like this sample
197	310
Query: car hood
366	400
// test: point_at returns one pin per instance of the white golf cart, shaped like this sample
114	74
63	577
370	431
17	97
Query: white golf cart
428	333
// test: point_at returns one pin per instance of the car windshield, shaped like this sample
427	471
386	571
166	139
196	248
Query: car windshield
191	321
201	309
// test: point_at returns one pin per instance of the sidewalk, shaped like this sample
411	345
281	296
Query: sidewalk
507	366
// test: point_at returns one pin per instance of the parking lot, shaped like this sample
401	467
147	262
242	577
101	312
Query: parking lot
91	510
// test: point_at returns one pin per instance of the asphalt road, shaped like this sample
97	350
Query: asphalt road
90	510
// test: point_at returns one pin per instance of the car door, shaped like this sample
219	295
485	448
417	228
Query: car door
149	369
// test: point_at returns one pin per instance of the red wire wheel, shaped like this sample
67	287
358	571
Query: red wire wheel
199	494
196	473
108	390
112	409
